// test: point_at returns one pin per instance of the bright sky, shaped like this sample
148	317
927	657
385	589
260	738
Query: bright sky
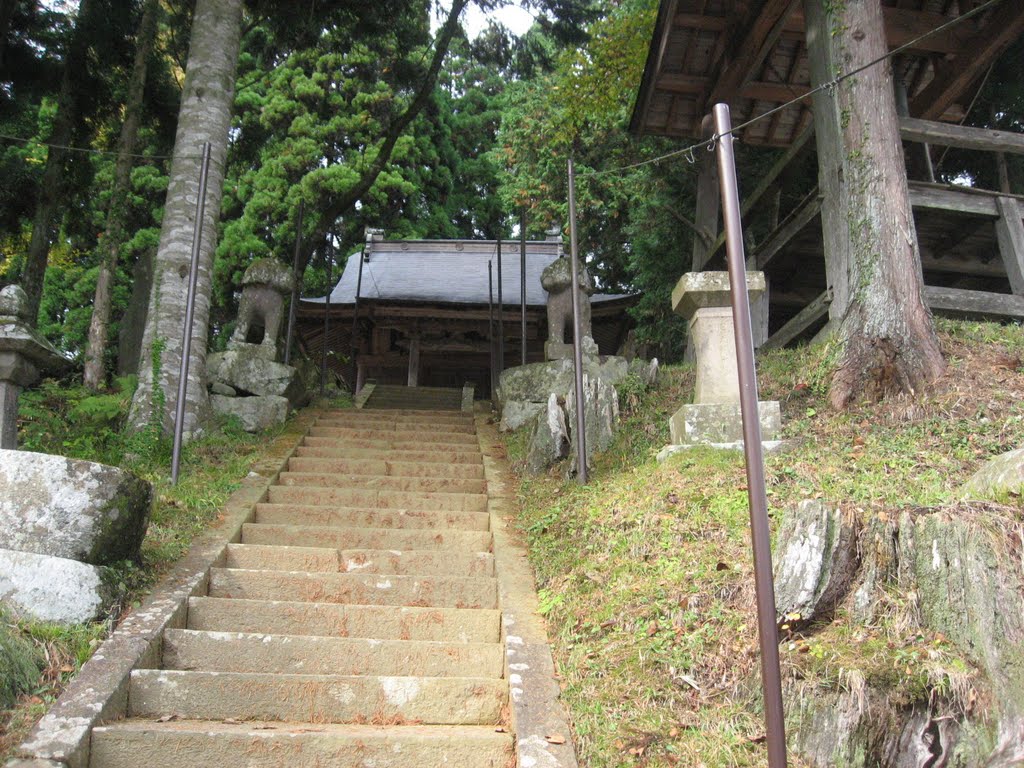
516	19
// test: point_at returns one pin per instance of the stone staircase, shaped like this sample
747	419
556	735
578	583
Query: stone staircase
392	397
356	623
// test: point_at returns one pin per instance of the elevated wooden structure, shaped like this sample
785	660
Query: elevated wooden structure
753	55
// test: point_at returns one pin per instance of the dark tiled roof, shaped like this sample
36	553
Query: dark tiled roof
446	271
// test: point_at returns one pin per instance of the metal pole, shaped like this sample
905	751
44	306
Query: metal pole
577	342
355	321
501	316
296	279
490	323
522	285
329	262
771	676
190	306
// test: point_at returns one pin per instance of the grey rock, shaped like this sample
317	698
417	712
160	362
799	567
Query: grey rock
220	388
816	559
534	382
246	371
549	441
1000	476
601	414
69	508
269	272
699	290
255	413
715	423
645	371
519	413
14	302
52	588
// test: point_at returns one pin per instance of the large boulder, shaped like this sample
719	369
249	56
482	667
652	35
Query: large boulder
1000	476
816	559
255	413
55	589
601	414
69	508
549	441
243	369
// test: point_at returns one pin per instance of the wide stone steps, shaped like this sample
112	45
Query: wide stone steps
386	397
256	557
365	517
356	622
202	744
280	617
188	650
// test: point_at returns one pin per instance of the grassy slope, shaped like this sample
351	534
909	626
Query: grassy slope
650	607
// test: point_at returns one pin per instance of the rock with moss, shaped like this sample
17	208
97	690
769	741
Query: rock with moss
69	508
255	413
549	440
247	372
601	414
815	560
1000	477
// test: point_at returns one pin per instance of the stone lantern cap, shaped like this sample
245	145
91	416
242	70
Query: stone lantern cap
17	338
700	290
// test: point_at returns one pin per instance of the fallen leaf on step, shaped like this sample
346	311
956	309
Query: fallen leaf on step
264	727
166	718
499	729
555	738
230	721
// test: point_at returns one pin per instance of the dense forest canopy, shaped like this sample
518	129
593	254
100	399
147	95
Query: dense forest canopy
336	107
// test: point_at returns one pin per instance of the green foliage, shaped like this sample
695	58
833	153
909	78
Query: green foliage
20	662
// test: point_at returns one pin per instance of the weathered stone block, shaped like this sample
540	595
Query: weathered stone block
245	370
709	423
52	588
70	508
696	290
816	559
549	441
255	413
1000	476
601	414
519	413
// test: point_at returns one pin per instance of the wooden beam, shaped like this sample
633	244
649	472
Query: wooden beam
903	25
749	48
803	320
943	198
700	22
960	136
778	93
687	84
969	267
790	228
1010	236
974	303
706	212
778	169
954	76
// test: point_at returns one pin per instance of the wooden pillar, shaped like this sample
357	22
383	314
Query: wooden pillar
706	215
919	155
865	211
759	307
414	361
1010	235
360	377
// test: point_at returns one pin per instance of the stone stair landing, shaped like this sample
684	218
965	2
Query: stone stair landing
355	624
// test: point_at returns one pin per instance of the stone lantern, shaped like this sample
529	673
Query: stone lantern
24	356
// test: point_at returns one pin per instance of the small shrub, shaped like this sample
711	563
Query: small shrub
20	663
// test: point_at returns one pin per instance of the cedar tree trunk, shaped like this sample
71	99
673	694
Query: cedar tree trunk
887	340
205	116
115	235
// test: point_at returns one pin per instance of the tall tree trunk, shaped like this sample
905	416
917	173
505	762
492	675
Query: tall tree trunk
52	184
115	235
7	8
205	116
885	332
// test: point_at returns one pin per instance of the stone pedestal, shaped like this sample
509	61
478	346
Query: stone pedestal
714	417
560	350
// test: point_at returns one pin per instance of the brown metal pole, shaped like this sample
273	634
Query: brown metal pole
490	324
577	342
771	676
190	306
522	285
296	288
328	263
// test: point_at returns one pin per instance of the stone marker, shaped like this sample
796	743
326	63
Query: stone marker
69	508
557	281
52	588
24	355
714	417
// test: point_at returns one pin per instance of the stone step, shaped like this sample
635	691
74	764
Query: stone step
321	447
359	497
355	588
190	650
408	413
320	560
411	432
277	617
201	744
316	698
383	426
364	419
346	466
382	482
361	517
366	538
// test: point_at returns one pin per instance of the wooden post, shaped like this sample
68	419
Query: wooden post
706	215
919	156
1010	235
414	361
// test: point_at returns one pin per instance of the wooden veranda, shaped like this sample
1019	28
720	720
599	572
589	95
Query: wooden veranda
754	55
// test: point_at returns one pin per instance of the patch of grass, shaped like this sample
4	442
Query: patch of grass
651	608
